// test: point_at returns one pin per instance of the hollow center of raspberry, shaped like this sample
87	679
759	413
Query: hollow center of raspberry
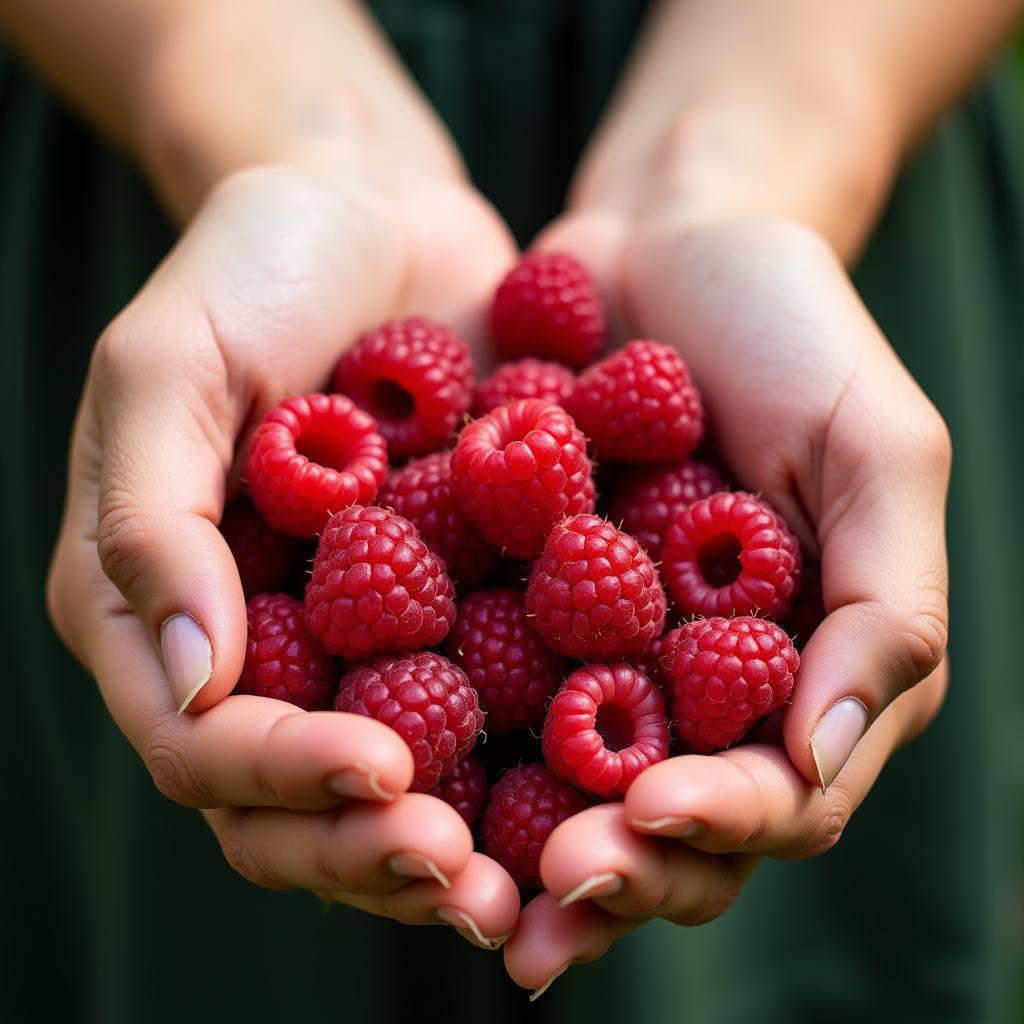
391	401
719	559
615	726
324	447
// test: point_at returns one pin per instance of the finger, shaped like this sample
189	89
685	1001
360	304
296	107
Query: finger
361	847
752	799
482	903
595	855
884	576
548	939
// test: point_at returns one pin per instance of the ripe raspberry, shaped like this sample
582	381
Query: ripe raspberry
281	659
726	674
427	700
730	554
647	501
527	804
595	592
311	456
509	666
639	405
548	306
422	492
650	663
520	469
263	556
527	378
465	789
415	378
375	586
807	611
604	727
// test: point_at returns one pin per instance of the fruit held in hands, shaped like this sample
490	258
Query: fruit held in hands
263	556
465	789
526	378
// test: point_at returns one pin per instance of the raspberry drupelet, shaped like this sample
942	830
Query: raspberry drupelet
263	556
594	592
422	492
519	470
526	805
465	789
311	456
639	405
508	664
730	554
526	378
726	674
282	660
415	377
604	727
376	586
427	700
548	306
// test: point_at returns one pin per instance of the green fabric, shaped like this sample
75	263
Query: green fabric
117	905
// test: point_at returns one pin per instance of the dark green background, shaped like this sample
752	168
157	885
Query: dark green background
117	905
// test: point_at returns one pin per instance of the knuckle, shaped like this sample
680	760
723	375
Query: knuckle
830	827
126	538
241	858
923	636
717	903
168	765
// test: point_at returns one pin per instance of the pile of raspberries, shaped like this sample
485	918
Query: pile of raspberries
469	583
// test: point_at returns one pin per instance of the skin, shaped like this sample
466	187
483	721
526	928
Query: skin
314	153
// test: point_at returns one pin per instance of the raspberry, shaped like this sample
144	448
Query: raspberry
375	586
548	306
650	663
465	789
604	727
730	554
595	592
422	492
415	377
527	378
527	804
726	674
807	611
509	666
639	405
647	501
281	659
263	556
520	469
427	700
311	456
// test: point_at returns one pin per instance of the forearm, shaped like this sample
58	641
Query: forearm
788	107
195	90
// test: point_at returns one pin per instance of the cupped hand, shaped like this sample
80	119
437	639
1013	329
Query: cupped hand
809	406
280	270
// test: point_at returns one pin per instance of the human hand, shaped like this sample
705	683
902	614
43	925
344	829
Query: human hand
809	406
283	266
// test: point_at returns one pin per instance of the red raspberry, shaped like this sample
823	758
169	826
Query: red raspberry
650	663
647	501
726	674
807	611
508	664
548	306
427	700
594	592
422	492
527	378
465	789
604	727
639	405
311	456
415	377
730	554
281	659
263	556
519	470
527	804
376	586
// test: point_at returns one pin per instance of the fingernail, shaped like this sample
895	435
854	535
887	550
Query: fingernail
838	732
360	782
606	884
188	657
465	924
415	865
538	992
669	825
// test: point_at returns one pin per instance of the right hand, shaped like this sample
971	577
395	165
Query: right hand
280	270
